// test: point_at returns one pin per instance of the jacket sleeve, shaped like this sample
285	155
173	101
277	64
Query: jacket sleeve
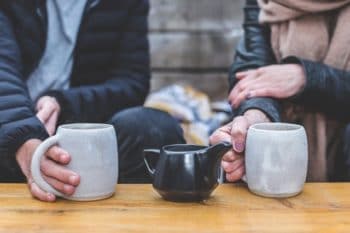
128	81
327	89
254	51
18	122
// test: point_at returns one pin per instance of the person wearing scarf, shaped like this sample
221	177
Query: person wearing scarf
293	65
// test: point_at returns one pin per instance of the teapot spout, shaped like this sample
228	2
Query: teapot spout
216	152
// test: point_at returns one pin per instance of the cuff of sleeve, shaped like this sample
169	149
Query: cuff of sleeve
267	105
15	134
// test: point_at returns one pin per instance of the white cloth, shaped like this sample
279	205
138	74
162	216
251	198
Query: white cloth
55	66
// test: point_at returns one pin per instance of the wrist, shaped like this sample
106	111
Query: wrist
255	116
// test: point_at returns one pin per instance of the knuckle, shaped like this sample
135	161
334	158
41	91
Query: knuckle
228	157
238	131
240	171
44	167
237	120
32	189
239	87
214	138
59	186
260	70
53	152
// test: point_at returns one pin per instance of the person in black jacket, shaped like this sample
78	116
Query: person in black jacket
75	61
289	60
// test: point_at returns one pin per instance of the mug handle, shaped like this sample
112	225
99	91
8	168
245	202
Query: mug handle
35	165
146	157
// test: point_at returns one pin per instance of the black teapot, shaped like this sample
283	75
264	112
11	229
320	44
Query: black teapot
185	172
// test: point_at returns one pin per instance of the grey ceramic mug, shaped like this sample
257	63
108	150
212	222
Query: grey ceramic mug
276	158
93	148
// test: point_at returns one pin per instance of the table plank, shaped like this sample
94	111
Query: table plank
137	208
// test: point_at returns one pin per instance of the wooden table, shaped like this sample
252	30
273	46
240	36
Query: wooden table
137	208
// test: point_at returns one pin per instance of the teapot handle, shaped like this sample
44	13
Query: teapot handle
147	154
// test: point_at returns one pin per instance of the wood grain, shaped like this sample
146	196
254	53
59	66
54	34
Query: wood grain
321	208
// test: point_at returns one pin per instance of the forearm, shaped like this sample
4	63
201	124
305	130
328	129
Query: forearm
254	49
18	122
252	52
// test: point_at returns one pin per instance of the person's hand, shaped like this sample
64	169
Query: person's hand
52	170
236	132
48	111
276	81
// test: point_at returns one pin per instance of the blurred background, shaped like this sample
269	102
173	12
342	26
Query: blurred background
193	41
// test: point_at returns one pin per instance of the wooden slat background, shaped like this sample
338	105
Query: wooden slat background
193	41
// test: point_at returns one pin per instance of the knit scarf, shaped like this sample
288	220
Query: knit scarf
317	30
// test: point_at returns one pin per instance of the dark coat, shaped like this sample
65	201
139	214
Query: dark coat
327	89
110	71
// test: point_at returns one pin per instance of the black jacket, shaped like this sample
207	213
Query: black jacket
327	89
110	71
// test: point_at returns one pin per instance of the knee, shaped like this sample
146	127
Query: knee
146	123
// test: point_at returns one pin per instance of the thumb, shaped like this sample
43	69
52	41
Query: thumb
45	112
239	133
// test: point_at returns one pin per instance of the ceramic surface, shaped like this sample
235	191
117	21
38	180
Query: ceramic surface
276	159
94	152
185	172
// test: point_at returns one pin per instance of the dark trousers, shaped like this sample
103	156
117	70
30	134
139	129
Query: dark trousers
342	164
137	129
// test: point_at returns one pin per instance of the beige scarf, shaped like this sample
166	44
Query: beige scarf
318	30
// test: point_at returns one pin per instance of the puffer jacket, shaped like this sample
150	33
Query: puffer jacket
110	70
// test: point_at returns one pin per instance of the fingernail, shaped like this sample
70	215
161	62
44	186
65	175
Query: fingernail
249	95
50	197
74	179
64	158
239	147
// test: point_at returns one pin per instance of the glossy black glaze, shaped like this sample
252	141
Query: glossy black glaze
185	172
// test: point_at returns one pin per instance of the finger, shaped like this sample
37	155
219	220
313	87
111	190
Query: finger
246	86
231	156
241	86
39	193
243	74
39	104
236	175
242	96
230	167
221	134
50	125
60	186
266	92
58	155
234	93
239	132
62	174
45	113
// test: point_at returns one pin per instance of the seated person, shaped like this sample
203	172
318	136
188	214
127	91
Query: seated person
75	61
294	59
